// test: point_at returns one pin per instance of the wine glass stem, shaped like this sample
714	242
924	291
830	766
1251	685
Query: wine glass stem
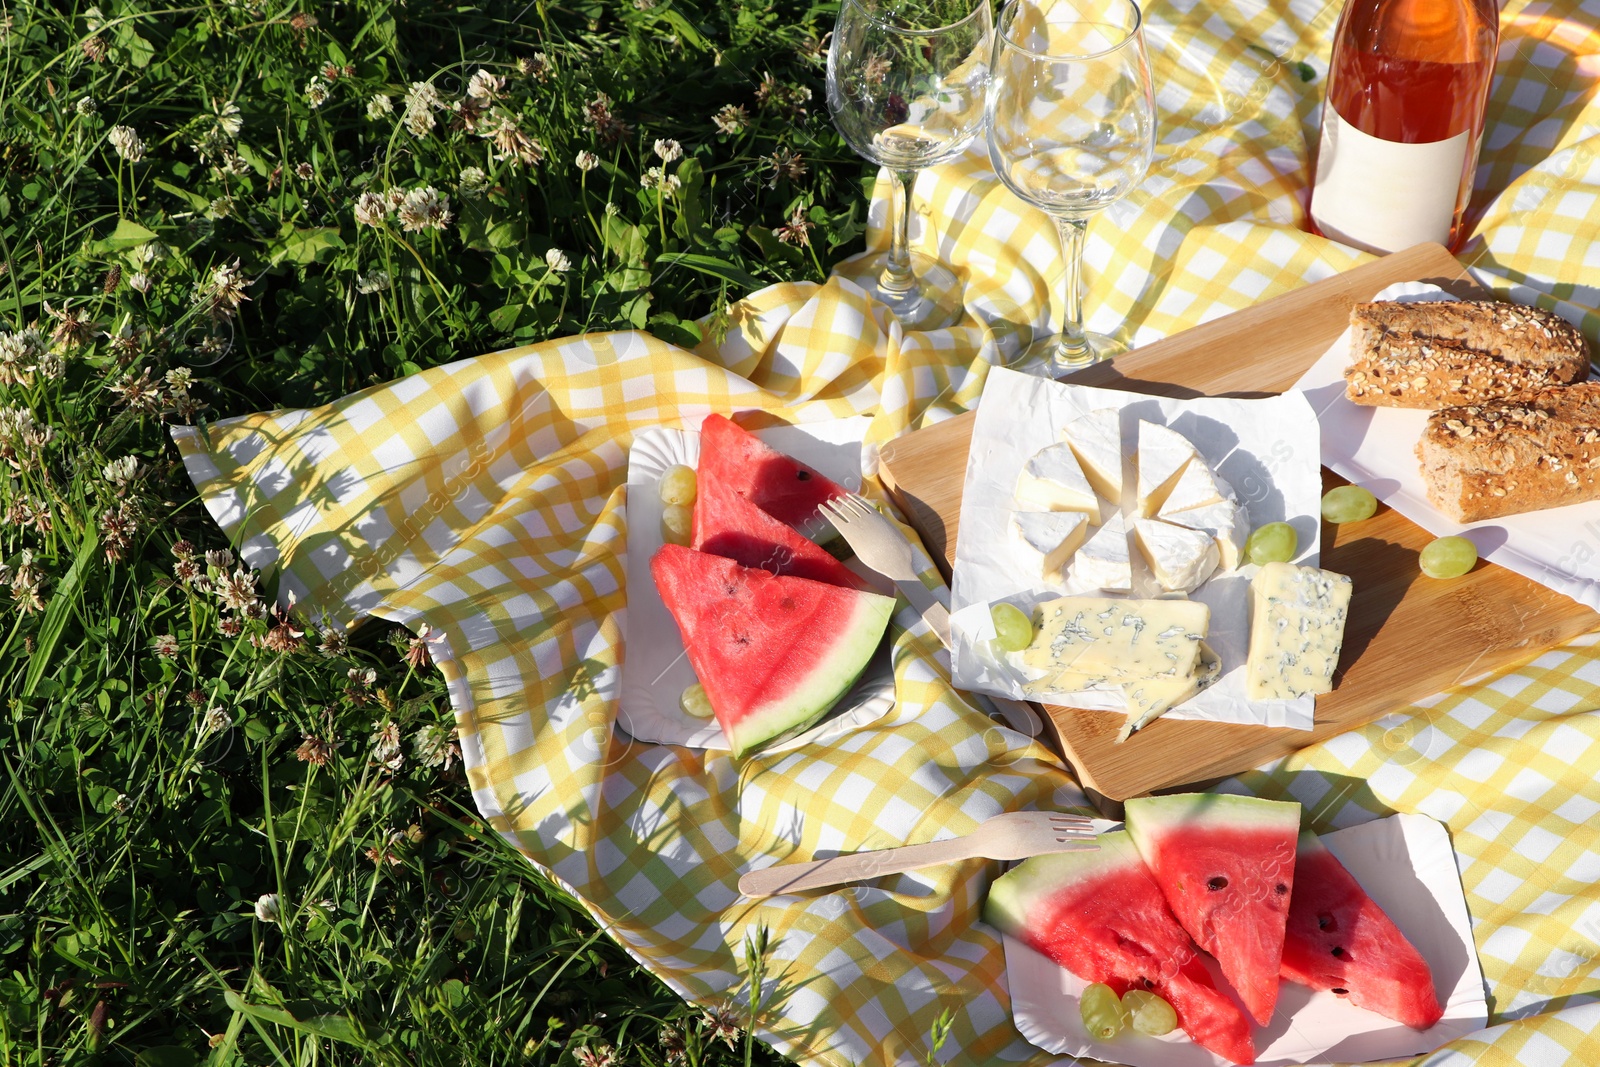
897	280
1073	351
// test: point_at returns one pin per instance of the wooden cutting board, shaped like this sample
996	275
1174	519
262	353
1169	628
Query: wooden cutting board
1408	636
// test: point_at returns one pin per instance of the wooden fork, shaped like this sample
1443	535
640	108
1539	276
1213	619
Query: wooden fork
1014	835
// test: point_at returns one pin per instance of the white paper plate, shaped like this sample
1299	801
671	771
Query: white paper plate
1376	447
1406	864
1266	449
655	669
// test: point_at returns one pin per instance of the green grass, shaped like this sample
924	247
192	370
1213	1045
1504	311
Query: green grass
228	836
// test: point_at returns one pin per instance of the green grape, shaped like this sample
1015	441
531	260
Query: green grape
1102	1012
1148	1013
693	701
1348	503
1013	631
677	524
678	485
1448	557
1273	543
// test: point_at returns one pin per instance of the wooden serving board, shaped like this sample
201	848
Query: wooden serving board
1408	636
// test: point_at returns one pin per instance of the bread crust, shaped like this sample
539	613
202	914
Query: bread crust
1446	353
1503	457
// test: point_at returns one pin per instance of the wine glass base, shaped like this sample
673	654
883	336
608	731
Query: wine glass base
1045	358
932	303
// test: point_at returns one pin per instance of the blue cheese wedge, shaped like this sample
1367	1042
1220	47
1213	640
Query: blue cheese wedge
1226	521
1150	699
1096	439
1052	481
1180	558
1196	487
1103	562
1297	618
1100	640
1163	455
1049	538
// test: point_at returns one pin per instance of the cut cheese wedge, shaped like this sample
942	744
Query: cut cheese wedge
1053	481
1102	562
1096	439
1050	538
1226	521
1180	558
1149	700
1163	454
1106	640
1196	487
1297	617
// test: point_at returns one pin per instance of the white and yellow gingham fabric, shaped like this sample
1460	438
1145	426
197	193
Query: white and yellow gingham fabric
484	499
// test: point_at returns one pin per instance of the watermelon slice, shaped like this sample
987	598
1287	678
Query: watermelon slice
726	524
1226	865
779	485
1102	917
1341	941
773	653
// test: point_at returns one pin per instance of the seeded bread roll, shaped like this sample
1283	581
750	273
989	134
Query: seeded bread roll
1434	355
1502	457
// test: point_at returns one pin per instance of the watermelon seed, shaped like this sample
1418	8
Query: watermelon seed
804	476
1280	889
1325	922
1217	883
1337	951
787	603
1341	992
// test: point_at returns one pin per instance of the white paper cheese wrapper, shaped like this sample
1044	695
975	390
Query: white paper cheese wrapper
1376	447
1267	450
1383	196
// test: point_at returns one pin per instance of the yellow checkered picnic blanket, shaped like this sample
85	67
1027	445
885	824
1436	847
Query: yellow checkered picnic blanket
484	499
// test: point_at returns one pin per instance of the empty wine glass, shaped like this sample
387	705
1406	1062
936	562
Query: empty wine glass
906	81
1071	129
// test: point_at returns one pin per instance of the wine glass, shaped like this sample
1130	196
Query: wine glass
1071	128
906	81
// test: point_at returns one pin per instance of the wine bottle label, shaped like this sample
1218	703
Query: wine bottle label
1383	196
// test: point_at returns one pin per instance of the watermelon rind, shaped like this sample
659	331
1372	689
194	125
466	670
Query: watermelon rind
829	679
1014	893
1246	847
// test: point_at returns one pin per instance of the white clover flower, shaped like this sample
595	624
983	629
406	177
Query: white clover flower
424	209
376	282
485	87
435	746
731	119
229	121
670	184
586	160
668	150
220	208
141	282
86	105
473	183
612	210
120	472
316	92
419	121
371	209
269	907
127	143
52	365
215	722
651	179
557	260
422	96
380	105
152	252
95	20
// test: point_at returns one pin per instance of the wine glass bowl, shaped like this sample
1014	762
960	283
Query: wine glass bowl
906	86
1071	126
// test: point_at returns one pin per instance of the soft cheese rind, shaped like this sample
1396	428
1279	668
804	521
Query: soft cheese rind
1180	558
1102	562
1096	439
1226	521
1297	619
1163	454
1196	487
1050	537
1052	481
